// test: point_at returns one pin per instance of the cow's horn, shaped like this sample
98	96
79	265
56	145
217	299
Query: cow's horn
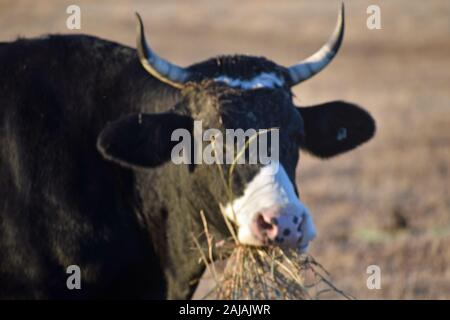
319	60
156	66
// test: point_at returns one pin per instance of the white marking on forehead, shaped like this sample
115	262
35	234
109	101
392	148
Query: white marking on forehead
263	80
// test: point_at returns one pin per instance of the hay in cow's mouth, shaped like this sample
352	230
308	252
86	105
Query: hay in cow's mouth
264	273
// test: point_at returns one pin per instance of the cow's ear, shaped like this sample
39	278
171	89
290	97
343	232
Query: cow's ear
335	127
141	140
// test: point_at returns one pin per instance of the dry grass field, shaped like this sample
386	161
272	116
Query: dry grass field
388	202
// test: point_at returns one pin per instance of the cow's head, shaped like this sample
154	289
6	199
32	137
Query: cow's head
242	92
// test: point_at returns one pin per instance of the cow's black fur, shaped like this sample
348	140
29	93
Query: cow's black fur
129	226
61	203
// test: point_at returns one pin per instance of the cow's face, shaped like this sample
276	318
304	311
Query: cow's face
260	197
242	92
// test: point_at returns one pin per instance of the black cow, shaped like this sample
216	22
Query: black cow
86	170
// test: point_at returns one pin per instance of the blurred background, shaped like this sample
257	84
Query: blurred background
386	203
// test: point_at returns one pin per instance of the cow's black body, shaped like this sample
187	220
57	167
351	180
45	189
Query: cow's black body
68	104
61	203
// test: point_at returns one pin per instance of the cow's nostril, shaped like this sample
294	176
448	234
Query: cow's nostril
263	224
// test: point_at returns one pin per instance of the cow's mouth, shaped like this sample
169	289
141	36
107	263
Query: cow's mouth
280	226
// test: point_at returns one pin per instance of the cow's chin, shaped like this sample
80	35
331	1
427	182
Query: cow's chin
246	238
